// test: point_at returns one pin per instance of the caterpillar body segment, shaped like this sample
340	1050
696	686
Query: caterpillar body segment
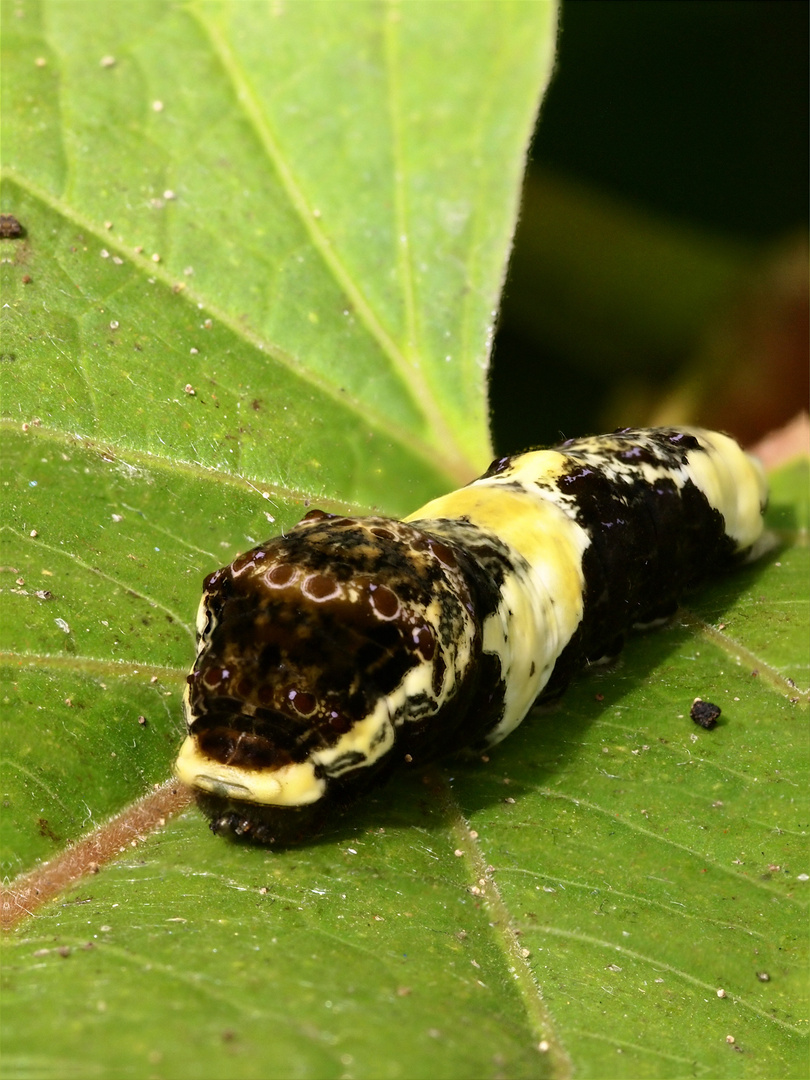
329	656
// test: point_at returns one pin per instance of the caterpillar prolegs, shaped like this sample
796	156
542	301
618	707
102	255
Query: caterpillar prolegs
332	654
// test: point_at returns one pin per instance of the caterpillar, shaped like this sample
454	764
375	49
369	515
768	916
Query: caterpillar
334	653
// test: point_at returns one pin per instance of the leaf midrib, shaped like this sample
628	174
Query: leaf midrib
457	464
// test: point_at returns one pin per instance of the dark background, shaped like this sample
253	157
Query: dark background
691	111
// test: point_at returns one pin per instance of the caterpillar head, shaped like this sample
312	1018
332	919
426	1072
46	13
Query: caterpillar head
324	657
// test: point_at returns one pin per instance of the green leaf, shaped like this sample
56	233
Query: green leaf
345	181
330	191
643	863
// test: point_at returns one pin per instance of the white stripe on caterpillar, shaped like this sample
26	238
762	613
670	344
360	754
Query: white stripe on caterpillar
328	656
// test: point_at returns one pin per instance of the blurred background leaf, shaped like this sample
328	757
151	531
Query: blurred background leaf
660	268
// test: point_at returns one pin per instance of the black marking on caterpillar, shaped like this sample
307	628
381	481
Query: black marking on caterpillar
329	656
